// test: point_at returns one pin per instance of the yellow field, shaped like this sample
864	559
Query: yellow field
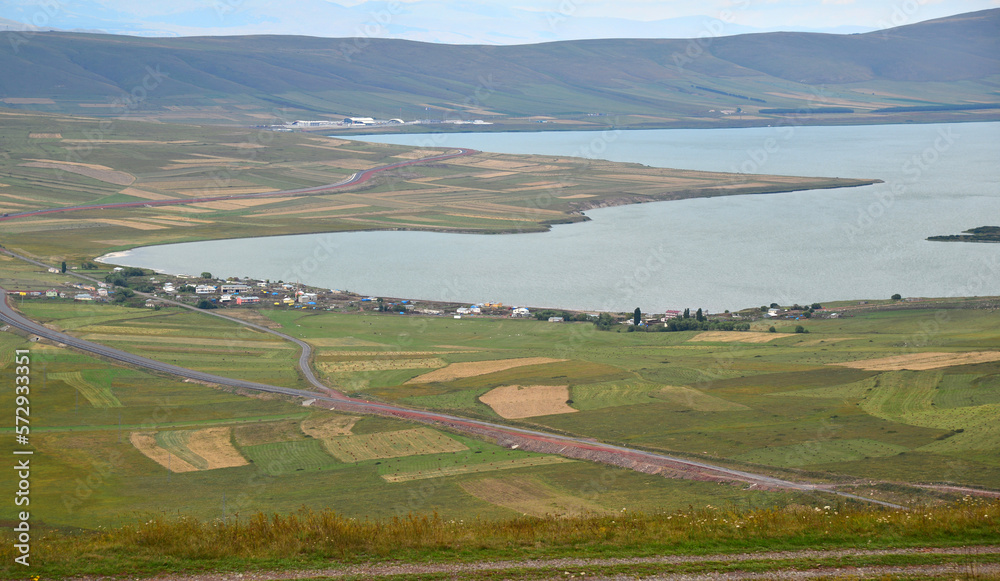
474	368
44	136
190	450
515	401
411	442
921	361
738	336
476	468
145	442
215	446
344	342
98	172
528	496
145	195
380	365
323	426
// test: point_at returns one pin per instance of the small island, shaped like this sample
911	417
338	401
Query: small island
981	234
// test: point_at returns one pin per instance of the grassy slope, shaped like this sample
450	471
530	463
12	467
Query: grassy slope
224	79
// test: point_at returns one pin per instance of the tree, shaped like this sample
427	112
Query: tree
205	304
687	313
897	297
699	315
637	317
775	305
816	306
206	275
63	267
772	329
800	329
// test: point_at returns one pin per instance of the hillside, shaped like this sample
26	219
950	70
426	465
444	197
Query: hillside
950	61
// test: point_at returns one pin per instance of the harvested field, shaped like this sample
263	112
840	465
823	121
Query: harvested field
259	433
239	204
226	191
419	153
577	196
285	458
515	401
390	353
380	365
921	361
99	396
216	447
145	442
476	468
530	497
344	342
816	342
44	136
738	336
474	368
98	172
315	209
146	195
325	425
391	445
139	337
28	101
134	224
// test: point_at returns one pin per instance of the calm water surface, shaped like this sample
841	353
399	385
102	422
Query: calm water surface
718	253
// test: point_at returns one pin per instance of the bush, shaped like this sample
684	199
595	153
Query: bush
206	304
772	329
897	297
800	329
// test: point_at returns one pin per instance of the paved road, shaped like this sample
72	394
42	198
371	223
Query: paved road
355	179
527	439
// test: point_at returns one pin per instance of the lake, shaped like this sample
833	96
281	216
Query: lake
713	253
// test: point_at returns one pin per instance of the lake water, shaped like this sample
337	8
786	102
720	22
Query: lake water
717	253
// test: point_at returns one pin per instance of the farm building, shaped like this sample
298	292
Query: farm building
83	297
671	315
358	121
555	319
242	300
234	288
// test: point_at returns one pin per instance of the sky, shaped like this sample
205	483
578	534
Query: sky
476	21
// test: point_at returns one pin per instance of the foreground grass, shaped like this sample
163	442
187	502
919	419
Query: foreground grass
309	539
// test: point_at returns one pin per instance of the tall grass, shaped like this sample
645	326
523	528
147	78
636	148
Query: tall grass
310	537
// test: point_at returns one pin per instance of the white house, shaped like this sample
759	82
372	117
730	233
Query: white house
520	312
463	311
204	289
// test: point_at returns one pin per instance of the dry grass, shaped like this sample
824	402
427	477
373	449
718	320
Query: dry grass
98	172
28	101
45	136
474	368
528	496
381	365
738	336
397	444
921	361
476	468
696	400
145	442
515	401
146	195
325	425
216	447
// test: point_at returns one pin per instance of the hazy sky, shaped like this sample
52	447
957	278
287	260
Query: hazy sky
478	21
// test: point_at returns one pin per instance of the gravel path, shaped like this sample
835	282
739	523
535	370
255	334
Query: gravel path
565	567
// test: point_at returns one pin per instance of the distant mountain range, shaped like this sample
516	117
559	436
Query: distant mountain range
953	61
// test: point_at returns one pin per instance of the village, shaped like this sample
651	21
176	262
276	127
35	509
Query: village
136	287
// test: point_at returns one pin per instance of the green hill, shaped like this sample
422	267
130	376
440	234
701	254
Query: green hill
950	61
